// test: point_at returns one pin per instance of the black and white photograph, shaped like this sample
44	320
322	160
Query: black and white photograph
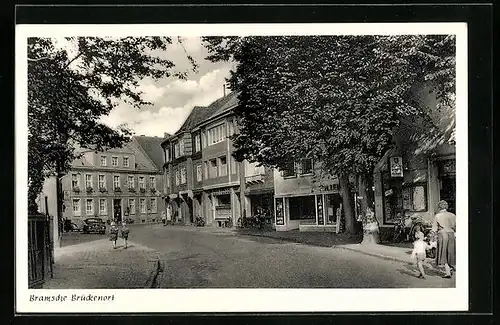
165	163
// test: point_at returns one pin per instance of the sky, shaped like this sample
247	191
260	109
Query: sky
173	99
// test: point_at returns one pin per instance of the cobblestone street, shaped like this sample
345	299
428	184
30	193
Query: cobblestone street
213	258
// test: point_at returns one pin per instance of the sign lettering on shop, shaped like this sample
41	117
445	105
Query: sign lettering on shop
396	165
280	216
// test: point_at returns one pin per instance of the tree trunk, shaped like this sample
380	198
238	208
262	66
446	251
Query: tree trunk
350	218
370	223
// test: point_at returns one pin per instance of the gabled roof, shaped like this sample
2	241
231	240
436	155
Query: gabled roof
223	104
198	114
152	148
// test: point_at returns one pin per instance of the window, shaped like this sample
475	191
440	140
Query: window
177	177
131	205
204	141
142	205
130	181
176	150
103	207
216	134
103	161
222	166
126	162
197	143
142	183
116	181
75	182
233	165
89	206
102	181
76	207
306	166
152	204
289	169
183	175
152	182
114	161
88	180
181	147
167	179
415	197
206	169
212	172
230	126
199	175
167	154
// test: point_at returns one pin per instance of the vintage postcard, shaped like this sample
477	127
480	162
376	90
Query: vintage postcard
241	168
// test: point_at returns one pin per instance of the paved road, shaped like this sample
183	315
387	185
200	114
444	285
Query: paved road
199	258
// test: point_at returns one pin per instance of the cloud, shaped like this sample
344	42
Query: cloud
172	103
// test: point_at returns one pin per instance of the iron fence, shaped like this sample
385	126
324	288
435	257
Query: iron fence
40	248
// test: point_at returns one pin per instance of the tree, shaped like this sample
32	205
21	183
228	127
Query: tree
69	91
340	108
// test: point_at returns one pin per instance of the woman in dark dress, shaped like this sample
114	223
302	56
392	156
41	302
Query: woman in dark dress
444	226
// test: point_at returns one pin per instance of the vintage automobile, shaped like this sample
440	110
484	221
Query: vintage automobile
94	225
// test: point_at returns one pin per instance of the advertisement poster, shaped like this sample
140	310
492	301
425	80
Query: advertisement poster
280	216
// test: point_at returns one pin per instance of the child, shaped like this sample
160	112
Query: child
125	232
419	252
113	233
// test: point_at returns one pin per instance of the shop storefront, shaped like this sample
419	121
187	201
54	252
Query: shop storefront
318	212
414	189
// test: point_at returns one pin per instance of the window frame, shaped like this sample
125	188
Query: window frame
91	200
151	200
199	173
74	177
126	159
105	164
113	159
99	181
141	206
293	175
119	182
222	168
152	185
131	207
183	171
78	212
141	185
105	211
130	177
301	171
90	184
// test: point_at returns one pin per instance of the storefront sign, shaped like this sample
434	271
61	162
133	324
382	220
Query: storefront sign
320	209
396	165
388	192
280	215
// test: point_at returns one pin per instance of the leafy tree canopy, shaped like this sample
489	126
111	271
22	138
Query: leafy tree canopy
70	88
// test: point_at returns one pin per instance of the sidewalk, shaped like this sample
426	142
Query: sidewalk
394	253
96	265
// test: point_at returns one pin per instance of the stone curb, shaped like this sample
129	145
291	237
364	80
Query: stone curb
379	255
291	240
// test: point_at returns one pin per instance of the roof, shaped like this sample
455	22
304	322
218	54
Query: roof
152	148
197	115
223	104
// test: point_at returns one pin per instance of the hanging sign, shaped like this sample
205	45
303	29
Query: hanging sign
280	215
396	165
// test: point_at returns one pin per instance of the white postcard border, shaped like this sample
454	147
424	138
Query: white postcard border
244	300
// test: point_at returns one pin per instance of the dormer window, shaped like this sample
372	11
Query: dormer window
126	162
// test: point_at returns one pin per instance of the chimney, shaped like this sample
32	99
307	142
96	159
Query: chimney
224	89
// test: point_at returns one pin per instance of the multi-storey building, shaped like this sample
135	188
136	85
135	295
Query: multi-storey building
116	184
202	178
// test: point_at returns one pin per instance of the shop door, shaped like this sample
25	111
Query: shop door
117	210
448	192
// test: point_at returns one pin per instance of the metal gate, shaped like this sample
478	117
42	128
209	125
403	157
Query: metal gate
39	250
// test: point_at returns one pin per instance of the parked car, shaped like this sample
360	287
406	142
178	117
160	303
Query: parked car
94	225
75	228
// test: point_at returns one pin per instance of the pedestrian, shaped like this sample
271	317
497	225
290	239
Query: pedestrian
169	214
164	218
113	233
444	226
125	231
419	252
